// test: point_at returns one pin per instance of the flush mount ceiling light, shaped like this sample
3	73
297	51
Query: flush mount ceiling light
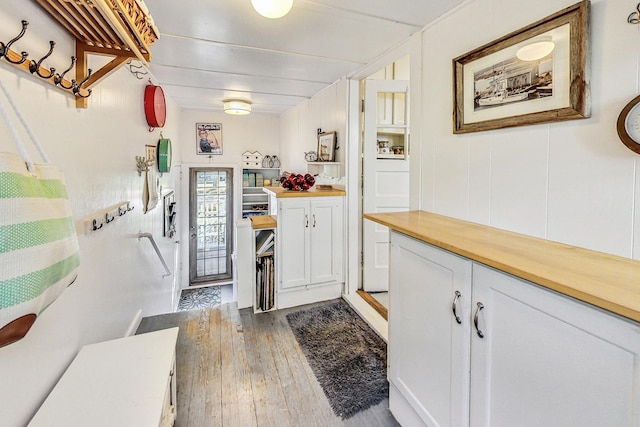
538	48
238	107
272	8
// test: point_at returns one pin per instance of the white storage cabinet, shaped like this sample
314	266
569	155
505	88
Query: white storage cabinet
522	355
310	241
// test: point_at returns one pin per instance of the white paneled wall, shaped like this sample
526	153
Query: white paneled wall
120	276
326	110
255	132
573	181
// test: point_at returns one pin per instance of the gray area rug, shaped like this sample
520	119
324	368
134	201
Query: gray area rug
347	357
199	298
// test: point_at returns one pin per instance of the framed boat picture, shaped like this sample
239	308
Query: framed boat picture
537	74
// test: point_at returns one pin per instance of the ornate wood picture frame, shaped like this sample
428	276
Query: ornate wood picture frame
497	85
326	146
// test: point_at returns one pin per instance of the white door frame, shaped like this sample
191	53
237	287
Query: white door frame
184	219
412	47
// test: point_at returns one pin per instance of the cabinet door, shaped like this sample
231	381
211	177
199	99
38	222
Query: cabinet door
293	243
428	348
326	240
548	360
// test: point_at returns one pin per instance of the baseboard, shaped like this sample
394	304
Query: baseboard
135	323
401	409
371	316
307	295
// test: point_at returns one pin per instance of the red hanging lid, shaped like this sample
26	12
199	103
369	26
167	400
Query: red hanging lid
154	106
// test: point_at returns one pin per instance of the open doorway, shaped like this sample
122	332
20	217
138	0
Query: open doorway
385	172
210	225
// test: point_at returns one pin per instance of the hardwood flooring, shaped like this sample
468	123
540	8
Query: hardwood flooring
237	368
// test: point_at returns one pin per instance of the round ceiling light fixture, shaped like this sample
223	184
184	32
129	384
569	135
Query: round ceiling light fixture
272	8
236	106
536	49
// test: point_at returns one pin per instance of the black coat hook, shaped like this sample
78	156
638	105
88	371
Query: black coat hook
4	49
634	17
77	87
34	66
58	78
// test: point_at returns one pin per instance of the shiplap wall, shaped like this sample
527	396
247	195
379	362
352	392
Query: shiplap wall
120	276
572	182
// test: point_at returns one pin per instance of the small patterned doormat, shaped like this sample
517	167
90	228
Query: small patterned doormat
194	299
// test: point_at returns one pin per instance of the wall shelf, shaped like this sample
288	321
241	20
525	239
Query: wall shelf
123	29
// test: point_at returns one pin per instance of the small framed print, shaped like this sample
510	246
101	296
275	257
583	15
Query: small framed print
326	147
209	138
151	153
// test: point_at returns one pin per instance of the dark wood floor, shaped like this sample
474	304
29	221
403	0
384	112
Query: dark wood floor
236	368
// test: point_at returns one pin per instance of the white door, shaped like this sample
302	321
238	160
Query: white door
547	360
429	347
385	172
211	225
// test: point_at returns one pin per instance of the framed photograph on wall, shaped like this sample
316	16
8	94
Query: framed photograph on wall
209	138
326	146
537	74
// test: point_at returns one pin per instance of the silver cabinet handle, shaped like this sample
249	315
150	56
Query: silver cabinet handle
306	221
454	306
475	319
314	220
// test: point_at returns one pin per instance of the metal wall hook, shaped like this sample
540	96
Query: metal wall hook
634	17
77	87
4	49
58	78
136	73
34	66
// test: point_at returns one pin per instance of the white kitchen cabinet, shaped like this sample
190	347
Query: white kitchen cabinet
428	352
309	241
548	360
544	359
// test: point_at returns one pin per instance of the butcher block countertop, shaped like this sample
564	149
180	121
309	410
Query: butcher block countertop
280	192
603	280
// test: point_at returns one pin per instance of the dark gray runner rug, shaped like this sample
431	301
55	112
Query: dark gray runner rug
347	357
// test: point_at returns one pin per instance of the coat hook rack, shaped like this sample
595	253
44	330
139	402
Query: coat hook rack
105	216
634	17
143	164
35	67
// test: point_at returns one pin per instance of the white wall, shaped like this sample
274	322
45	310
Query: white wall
572	182
327	110
255	132
120	277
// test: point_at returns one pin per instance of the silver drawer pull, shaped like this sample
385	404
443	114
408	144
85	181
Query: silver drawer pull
454	306
475	319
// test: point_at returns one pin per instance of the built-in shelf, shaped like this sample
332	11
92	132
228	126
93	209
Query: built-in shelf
331	169
254	200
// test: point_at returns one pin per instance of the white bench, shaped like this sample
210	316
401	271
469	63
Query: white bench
124	382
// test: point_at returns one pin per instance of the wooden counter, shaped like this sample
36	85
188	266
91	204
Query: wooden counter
280	192
259	222
603	280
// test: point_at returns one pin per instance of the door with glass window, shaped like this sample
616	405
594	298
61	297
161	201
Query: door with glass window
210	225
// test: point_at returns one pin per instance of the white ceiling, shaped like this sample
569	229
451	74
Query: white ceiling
212	50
